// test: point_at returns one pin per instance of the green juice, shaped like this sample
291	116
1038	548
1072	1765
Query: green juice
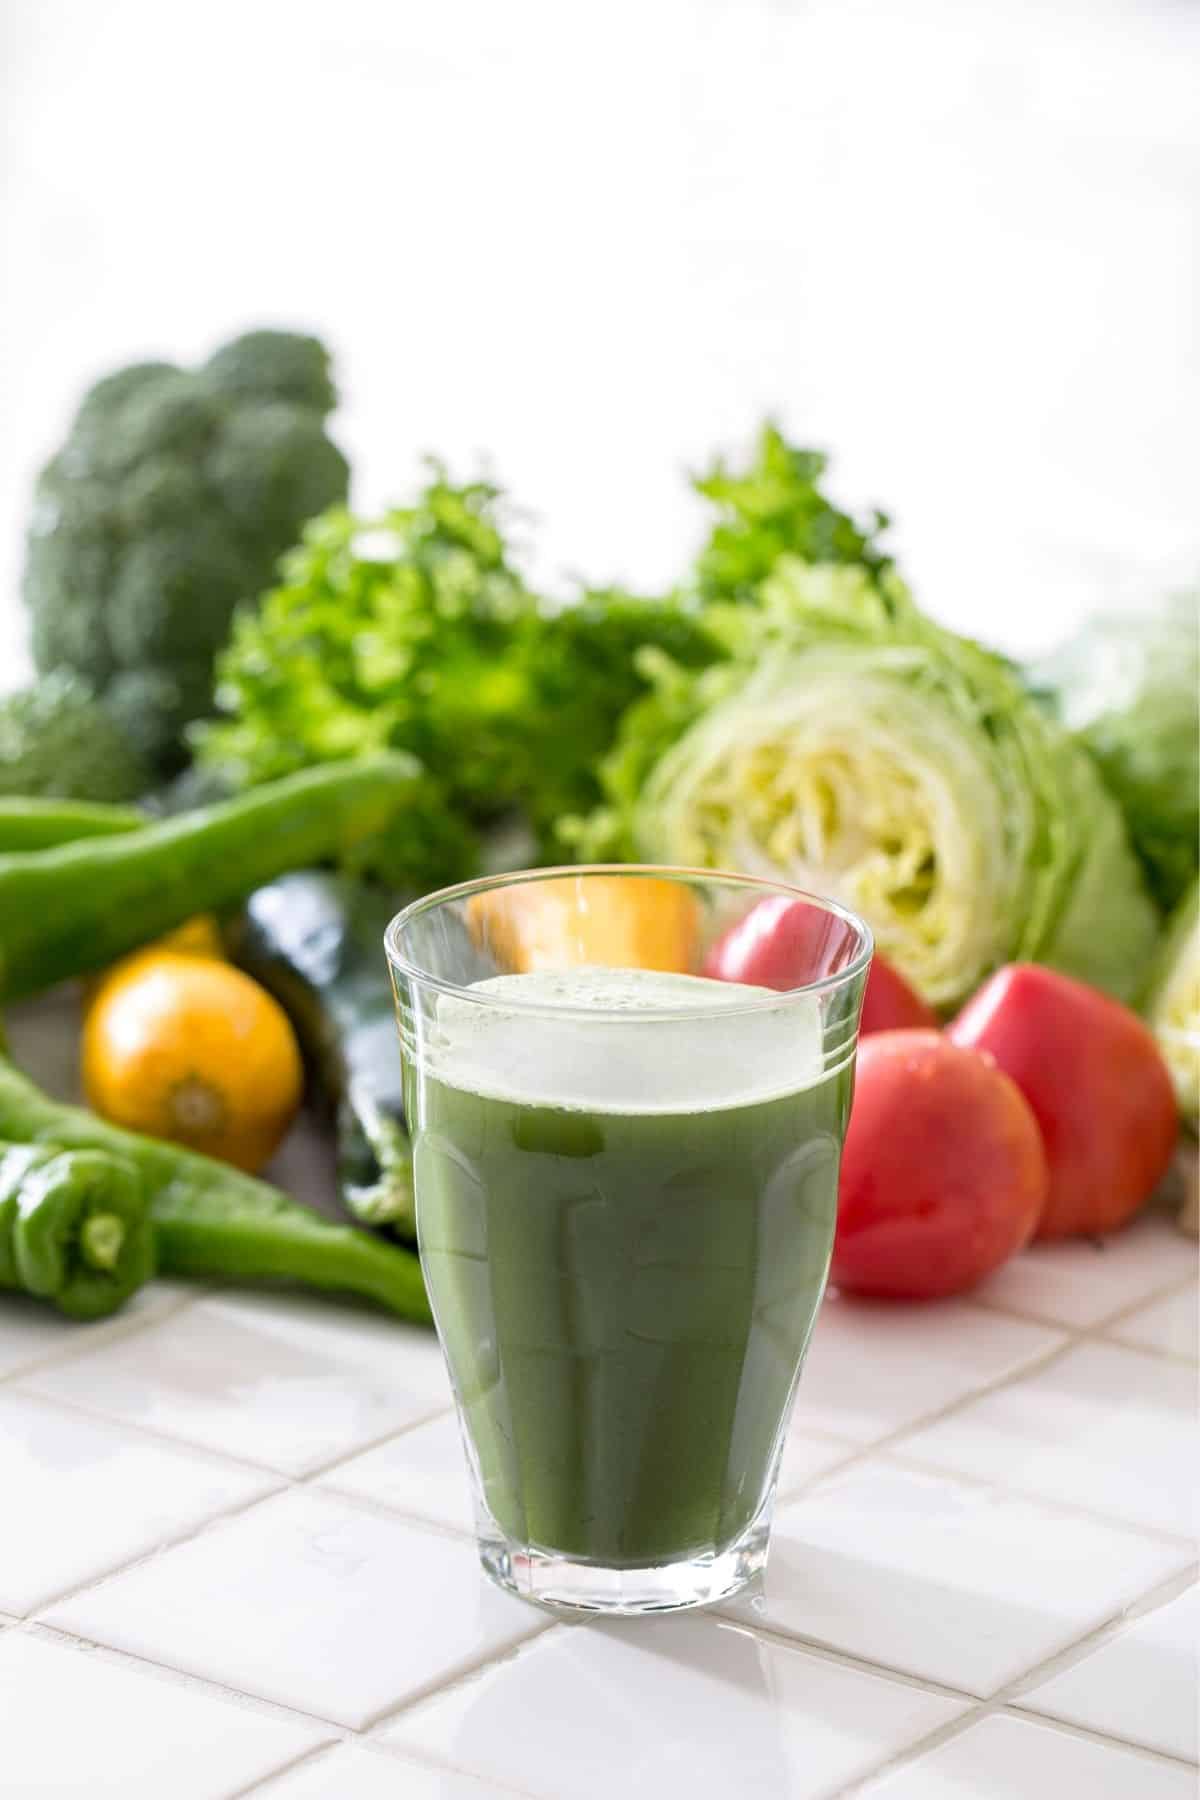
625	1228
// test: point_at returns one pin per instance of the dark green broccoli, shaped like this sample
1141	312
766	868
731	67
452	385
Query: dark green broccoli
56	739
170	502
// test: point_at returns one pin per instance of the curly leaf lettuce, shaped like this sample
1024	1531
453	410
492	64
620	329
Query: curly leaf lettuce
775	506
849	745
1173	1010
416	631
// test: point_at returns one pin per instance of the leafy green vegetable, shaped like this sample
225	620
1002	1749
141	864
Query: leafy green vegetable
57	740
850	745
774	508
1173	1009
170	501
416	631
1129	686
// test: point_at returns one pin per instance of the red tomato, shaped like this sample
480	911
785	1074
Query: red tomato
783	943
889	1004
943	1174
1097	1084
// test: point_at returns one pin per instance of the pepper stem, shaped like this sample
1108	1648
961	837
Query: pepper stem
100	1240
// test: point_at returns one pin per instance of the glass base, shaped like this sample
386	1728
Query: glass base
566	1584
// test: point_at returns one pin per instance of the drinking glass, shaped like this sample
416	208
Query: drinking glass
626	1185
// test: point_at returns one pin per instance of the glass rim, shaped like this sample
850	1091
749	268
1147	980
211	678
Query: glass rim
765	885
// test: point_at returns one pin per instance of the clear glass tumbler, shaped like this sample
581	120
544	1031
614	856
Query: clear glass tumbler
626	1183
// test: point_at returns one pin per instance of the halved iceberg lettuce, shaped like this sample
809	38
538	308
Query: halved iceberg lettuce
853	747
1173	1009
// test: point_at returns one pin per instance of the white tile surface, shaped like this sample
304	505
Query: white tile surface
1005	1758
805	1458
685	1706
310	1601
954	1583
349	1773
423	1472
1086	1280
1171	1324
31	1330
81	1496
1140	1684
875	1366
284	1382
75	1723
1103	1427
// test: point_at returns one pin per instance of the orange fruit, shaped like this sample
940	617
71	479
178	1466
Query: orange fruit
190	1049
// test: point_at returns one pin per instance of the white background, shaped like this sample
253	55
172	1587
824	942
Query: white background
953	241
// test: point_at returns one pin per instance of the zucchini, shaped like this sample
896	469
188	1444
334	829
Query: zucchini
315	941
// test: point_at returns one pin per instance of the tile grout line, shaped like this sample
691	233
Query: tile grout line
213	1523
176	1677
179	1441
426	1759
844	1659
262	1784
886	1444
120	1330
284	1482
338	1731
467	1672
317	1480
1153	1600
999	1702
1067	1509
152	1433
34	1623
226	1516
366	1735
1098	1329
882	1445
115	1330
379	1509
322	1469
267	1784
462	1676
1161	1594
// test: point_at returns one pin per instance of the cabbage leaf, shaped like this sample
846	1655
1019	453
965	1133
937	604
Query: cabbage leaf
1129	686
851	746
1174	1005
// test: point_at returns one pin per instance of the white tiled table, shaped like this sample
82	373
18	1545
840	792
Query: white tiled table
235	1558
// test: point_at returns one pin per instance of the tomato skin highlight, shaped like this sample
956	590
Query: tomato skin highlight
1098	1086
943	1174
782	943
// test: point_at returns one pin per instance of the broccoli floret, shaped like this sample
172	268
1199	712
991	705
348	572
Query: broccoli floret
57	739
169	504
275	365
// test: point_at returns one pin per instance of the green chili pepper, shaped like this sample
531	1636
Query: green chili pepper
36	824
211	1220
74	1227
79	906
